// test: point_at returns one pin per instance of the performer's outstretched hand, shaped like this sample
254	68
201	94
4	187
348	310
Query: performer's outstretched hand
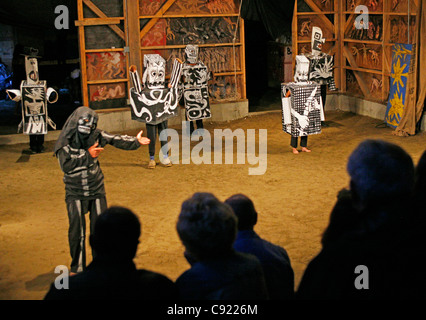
142	140
94	151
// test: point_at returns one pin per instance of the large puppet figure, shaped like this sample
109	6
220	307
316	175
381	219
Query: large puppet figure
152	102
195	76
77	150
302	110
34	96
321	65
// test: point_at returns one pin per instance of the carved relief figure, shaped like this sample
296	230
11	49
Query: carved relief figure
374	56
103	92
305	28
376	84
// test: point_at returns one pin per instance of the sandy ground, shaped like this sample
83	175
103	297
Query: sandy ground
294	198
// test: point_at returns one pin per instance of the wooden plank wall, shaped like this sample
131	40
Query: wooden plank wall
114	34
362	59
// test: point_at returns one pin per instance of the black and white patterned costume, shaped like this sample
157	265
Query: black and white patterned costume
305	111
83	177
302	109
195	92
34	96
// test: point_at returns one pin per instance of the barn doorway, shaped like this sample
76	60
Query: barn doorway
268	64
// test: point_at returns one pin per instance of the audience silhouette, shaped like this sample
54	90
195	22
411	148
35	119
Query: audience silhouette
279	275
372	248
113	274
207	228
364	229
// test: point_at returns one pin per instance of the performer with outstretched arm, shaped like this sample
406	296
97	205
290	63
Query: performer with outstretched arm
77	150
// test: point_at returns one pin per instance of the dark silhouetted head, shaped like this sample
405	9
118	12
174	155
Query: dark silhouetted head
206	226
244	209
380	172
116	234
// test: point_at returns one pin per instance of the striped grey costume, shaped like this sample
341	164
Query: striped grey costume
84	180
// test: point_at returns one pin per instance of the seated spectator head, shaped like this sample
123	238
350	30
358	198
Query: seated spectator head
116	234
380	172
206	226
244	209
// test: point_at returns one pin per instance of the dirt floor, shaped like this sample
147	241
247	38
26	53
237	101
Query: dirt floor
294	197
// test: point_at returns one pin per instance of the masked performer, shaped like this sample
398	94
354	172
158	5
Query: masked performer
321	66
302	107
154	78
154	103
77	150
195	76
34	97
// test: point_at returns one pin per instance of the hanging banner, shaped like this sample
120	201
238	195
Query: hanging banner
402	55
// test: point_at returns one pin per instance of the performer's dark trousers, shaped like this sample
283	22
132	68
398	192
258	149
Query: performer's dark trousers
77	228
303	141
151	133
323	94
36	142
199	124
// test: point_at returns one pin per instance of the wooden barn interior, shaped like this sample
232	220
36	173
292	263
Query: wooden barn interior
250	46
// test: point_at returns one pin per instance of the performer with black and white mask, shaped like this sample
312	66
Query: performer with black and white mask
195	77
154	77
302	110
34	96
77	150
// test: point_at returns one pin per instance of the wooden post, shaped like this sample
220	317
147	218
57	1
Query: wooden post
385	39
243	57
338	55
341	43
133	39
294	32
81	41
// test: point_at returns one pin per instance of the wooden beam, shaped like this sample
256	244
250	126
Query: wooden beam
181	46
193	15
133	26
349	24
294	32
156	17
364	87
100	14
314	7
97	22
82	45
332	51
341	36
108	81
337	45
373	71
105	50
243	58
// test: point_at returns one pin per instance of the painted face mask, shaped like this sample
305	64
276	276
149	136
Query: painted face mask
31	68
191	52
87	123
302	69
317	41
154	76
